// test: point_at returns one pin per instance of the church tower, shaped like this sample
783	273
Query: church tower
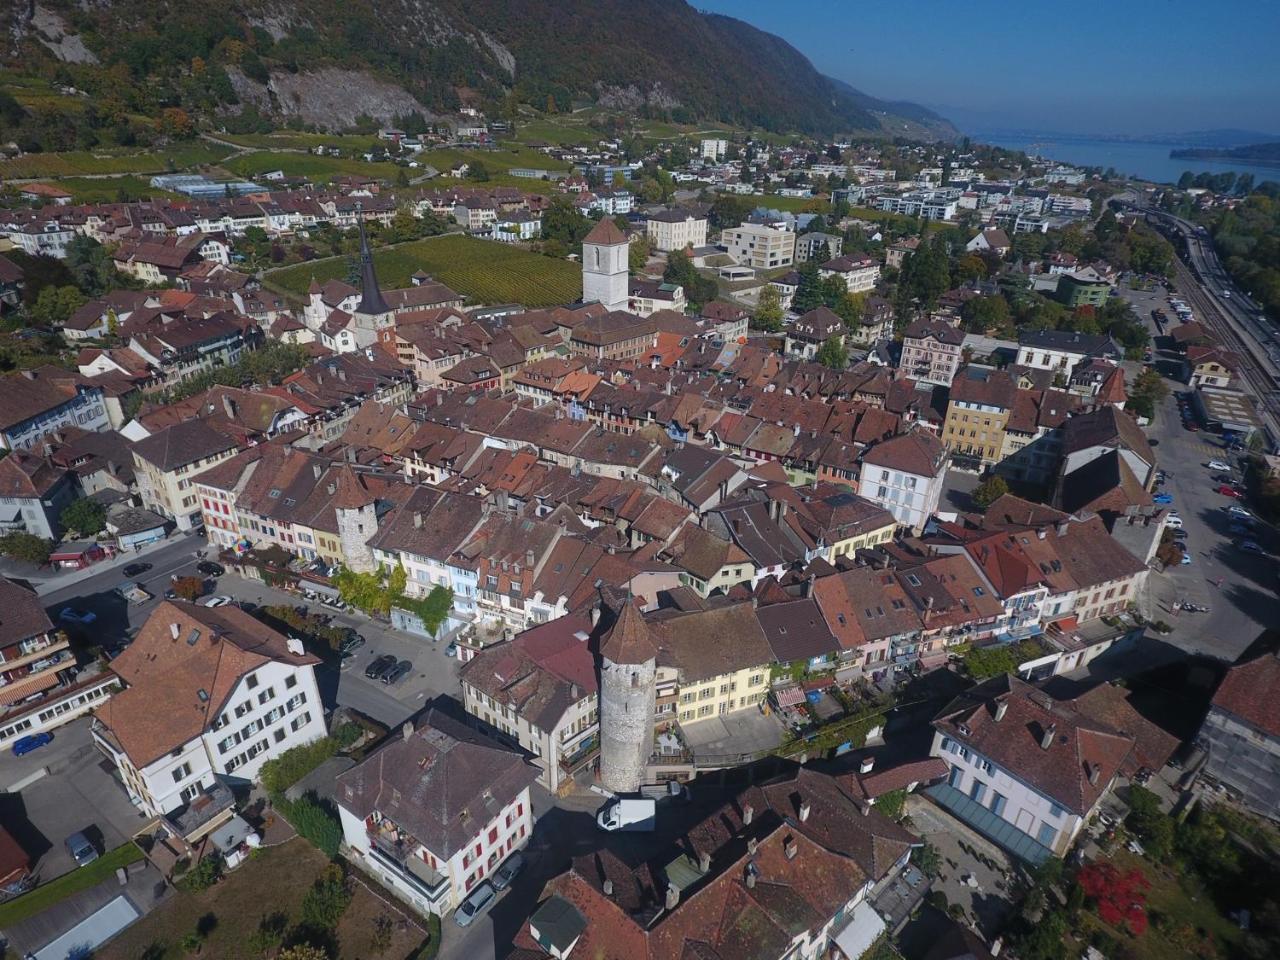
372	314
604	266
628	688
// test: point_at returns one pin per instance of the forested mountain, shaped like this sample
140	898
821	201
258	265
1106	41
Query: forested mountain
656	58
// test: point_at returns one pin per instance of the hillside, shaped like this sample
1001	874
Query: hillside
284	59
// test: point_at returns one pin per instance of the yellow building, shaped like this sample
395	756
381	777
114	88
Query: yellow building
977	412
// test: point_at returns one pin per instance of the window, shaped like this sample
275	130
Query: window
997	803
956	778
291	681
1056	812
1046	834
977	790
279	735
181	772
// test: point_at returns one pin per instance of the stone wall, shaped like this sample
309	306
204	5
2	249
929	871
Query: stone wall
626	723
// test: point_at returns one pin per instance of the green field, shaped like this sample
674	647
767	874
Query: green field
508	155
57	890
307	165
107	189
482	270
793	204
551	130
80	163
297	140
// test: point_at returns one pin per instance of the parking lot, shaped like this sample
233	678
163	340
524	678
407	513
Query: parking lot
79	792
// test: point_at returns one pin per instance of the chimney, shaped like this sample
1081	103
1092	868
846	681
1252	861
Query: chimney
406	730
865	807
748	811
417	519
804	810
737	524
790	848
867	765
595	615
113	468
607	888
704	862
316	470
1062	527
1002	707
528	558
332	489
1040	533
808	586
342	374
175	630
751	846
1046	740
1095	771
751	879
673	897
229	406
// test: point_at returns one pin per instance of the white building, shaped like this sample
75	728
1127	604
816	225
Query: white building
714	149
760	246
210	693
435	811
676	229
905	476
858	273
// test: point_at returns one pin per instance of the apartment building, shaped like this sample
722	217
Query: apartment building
905	476
210	694
37	403
676	229
646	297
35	657
617	335
808	333
760	247
1241	733
1061	350
810	245
859	274
434	811
167	463
978	408
33	493
932	352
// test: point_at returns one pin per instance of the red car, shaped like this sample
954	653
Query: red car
1232	492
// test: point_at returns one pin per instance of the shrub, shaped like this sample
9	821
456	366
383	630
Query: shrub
188	588
203	876
314	820
327	900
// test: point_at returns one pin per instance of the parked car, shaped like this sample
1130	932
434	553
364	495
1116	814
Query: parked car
218	601
1180	536
397	672
477	902
1174	523
1186	557
451	650
82	617
1164	499
1250	546
210	569
351	644
82	851
380	665
1229	491
1238	529
24	745
136	569
1240	513
509	870
1218	465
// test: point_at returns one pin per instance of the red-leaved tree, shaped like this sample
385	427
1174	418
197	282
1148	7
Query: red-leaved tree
1119	897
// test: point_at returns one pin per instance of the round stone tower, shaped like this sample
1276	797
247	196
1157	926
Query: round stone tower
355	509
628	685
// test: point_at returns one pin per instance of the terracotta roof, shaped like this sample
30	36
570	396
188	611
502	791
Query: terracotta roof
605	232
1249	691
184	664
627	640
26	476
919	453
22	614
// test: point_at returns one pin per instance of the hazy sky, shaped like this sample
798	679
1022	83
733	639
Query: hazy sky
1104	66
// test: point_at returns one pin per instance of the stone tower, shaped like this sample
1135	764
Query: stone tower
372	314
628	685
357	516
604	266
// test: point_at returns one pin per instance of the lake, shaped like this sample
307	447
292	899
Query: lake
1148	161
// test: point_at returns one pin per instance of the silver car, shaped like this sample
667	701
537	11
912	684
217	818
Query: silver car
478	901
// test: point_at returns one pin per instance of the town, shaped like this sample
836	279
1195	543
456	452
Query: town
702	544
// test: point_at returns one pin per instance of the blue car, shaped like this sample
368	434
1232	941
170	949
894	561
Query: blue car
1162	498
25	745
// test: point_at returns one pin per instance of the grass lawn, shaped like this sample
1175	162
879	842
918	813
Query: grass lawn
1181	903
551	130
107	190
483	270
273	881
55	891
792	204
81	162
307	165
370	911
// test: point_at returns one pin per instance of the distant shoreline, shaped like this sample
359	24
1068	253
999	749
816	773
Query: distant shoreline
1239	155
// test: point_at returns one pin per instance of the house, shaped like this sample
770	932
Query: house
896	253
646	297
1209	366
1063	350
1025	770
676	229
876	322
993	239
725	320
1083	287
806	336
167	462
210	695
760	247
1241	733
858	273
905	476
37	403
809	245
978	410
434	811
33	493
12	281
784	869
616	335
932	351
35	657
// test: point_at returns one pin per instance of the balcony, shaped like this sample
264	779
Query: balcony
399	858
583	753
31	651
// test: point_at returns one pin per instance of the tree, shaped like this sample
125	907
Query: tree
728	210
85	516
91	265
1119	897
833	354
305	951
177	123
561	221
981	314
188	588
768	315
1148	390
989	491
327	899
927	858
638	254
26	547
808	293
477	171
55	304
851	308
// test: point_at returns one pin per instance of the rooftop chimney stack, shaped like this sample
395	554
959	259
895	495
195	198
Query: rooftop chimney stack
790	848
867	765
704	862
748	811
804	810
417	519
751	879
1095	771
673	897
1049	732
607	887
406	729
1002	707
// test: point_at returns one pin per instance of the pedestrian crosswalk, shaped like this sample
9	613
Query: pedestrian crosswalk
1202	448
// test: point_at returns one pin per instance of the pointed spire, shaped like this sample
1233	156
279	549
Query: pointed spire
371	302
315	286
628	639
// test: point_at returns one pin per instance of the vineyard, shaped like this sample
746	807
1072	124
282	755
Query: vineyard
306	165
84	162
482	270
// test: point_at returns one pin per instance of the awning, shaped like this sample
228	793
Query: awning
789	696
11	693
862	930
995	828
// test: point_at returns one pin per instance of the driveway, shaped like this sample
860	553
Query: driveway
79	793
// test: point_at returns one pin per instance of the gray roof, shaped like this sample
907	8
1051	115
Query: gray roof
182	443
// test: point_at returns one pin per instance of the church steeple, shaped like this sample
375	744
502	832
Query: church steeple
371	302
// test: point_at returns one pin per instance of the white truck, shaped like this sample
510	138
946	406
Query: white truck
626	813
